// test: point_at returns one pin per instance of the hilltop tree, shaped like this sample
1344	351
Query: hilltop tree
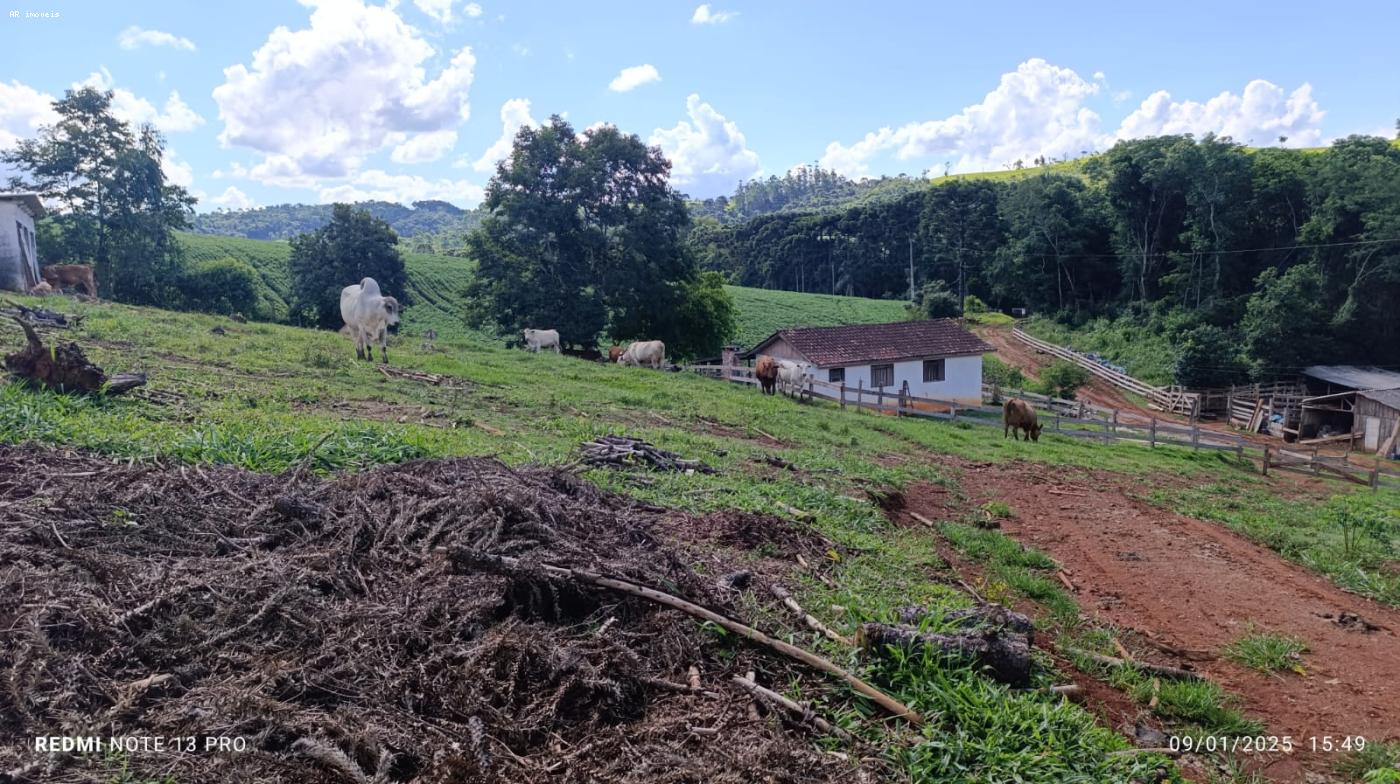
116	210
353	246
585	236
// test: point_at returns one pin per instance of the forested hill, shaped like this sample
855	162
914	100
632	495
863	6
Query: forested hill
284	221
1251	262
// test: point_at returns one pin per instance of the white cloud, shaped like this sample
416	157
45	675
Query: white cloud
1042	109
1038	109
472	9
704	15
424	147
1259	116
318	101
515	114
177	171
233	199
634	77
376	184
22	111
136	37
708	153
440	10
176	117
520	50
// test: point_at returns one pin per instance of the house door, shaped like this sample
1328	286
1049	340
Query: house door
1373	433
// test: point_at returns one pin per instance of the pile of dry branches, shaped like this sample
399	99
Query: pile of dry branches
625	451
320	622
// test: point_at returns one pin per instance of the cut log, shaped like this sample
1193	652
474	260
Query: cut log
64	367
982	614
1005	654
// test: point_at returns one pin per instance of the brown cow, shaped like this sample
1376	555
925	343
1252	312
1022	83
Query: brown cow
61	275
1018	415
614	353
766	371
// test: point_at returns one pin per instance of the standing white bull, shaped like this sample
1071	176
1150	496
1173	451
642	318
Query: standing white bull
368	316
536	339
791	375
644	352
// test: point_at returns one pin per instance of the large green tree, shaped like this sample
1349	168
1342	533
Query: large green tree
115	209
353	246
585	236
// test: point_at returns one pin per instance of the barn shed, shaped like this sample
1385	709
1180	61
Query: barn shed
936	358
1357	404
19	257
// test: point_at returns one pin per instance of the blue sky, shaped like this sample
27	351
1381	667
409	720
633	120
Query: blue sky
271	102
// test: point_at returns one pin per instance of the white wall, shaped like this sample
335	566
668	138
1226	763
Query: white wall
962	379
15	274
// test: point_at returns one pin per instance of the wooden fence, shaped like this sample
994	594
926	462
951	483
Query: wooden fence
1166	398
1072	419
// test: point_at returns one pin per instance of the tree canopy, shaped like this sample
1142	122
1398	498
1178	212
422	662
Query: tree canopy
353	246
585	235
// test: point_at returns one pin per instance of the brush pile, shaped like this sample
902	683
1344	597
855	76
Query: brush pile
316	626
625	452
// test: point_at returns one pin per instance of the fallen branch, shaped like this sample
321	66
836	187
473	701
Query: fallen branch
1007	654
812	622
1156	693
803	712
499	563
927	522
1066	582
792	510
1132	752
1156	669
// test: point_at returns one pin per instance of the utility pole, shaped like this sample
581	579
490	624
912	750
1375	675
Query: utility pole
911	268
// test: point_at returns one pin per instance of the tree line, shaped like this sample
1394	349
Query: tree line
1254	262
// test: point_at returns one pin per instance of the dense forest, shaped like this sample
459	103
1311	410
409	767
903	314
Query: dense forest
803	188
284	221
1251	262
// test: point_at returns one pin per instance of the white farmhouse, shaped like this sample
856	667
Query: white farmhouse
936	359
19	259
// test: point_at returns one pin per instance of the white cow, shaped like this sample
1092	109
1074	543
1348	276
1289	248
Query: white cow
368	316
644	352
536	339
791	375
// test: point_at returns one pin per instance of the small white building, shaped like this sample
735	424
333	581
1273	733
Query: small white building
936	359
19	257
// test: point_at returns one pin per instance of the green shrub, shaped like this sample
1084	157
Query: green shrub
1062	379
223	286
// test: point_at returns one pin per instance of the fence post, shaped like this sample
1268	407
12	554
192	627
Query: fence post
1195	435
1152	434
1057	422
860	394
1239	450
1266	460
1115	420
899	404
1376	475
1314	458
843	394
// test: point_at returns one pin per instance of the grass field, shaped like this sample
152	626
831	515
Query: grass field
435	285
261	395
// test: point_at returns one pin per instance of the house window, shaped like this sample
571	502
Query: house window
836	375
882	375
933	370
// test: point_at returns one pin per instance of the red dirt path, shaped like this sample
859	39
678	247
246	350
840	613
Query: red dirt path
1192	585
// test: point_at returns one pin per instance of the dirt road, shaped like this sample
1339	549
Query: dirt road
1195	586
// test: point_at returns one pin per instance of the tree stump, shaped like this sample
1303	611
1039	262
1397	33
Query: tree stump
64	368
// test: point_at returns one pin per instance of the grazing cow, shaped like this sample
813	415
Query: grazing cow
766	371
651	353
536	339
614	353
792	374
61	275
369	316
41	289
1018	415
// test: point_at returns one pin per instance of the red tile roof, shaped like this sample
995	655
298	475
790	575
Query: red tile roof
860	344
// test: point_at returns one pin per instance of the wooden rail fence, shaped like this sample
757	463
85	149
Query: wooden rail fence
1165	398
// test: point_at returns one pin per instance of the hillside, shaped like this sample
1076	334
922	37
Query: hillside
268	398
284	221
436	283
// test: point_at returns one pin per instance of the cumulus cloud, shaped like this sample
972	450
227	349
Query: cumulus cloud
136	37
377	184
176	171
318	101
515	114
1038	109
176	117
440	10
424	147
634	77
233	199
708	153
22	111
1041	109
705	15
472	9
1260	115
